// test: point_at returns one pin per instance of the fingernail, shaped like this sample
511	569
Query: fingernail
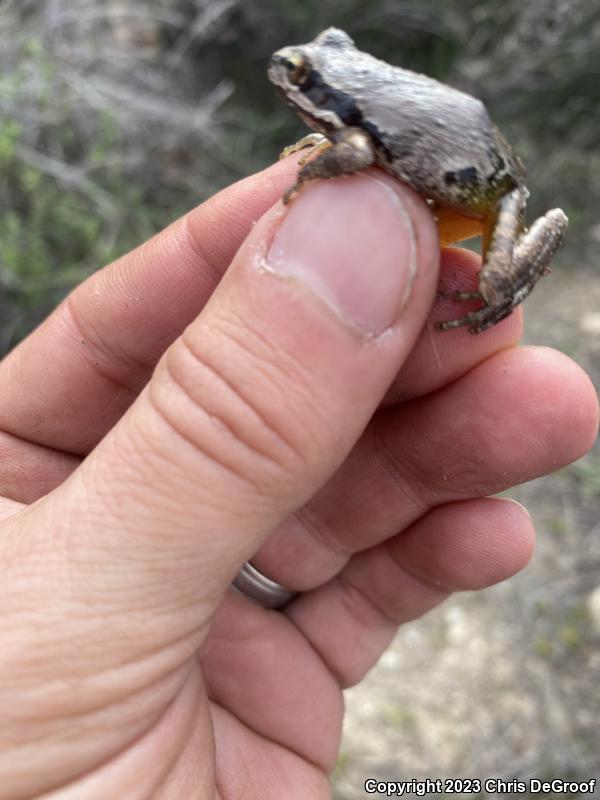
351	241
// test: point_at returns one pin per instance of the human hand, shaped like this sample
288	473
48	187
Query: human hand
335	440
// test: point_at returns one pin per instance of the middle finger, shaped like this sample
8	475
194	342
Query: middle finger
521	413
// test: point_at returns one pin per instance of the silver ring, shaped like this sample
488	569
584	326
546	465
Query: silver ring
267	593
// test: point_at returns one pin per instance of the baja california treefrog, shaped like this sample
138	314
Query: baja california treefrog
435	138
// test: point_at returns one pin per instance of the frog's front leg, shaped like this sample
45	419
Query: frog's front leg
315	141
351	150
513	263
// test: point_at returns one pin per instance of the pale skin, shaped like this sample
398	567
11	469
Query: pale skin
128	669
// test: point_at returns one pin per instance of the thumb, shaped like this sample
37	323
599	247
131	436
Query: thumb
263	396
252	409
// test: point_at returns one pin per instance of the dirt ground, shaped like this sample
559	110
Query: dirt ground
503	683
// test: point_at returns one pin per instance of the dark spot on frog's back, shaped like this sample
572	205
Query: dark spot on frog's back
462	177
499	171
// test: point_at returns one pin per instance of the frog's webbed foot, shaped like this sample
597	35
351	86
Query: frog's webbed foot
513	263
350	151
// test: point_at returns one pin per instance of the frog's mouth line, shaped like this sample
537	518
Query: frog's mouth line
327	123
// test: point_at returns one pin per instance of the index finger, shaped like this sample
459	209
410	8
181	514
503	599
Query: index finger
76	374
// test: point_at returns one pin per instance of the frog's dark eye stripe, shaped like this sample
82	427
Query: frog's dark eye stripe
343	105
326	97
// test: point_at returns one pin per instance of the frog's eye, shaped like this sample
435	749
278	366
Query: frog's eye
297	68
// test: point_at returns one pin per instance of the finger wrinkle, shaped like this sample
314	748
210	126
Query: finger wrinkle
321	533
245	777
401	468
268	438
126	374
425	581
358	601
421	592
28	471
191	240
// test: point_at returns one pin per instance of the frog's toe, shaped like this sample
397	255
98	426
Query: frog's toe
446	325
479	320
290	194
462	296
489	316
471	318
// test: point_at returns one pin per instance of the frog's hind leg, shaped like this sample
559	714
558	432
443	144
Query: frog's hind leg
350	151
513	263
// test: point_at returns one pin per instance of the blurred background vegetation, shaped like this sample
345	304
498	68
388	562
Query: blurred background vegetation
117	116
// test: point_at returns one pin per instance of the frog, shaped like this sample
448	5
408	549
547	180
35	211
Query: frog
437	139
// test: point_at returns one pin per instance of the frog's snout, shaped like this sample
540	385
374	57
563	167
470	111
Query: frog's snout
289	68
277	68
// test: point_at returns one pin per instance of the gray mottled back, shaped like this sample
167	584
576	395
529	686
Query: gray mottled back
428	131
